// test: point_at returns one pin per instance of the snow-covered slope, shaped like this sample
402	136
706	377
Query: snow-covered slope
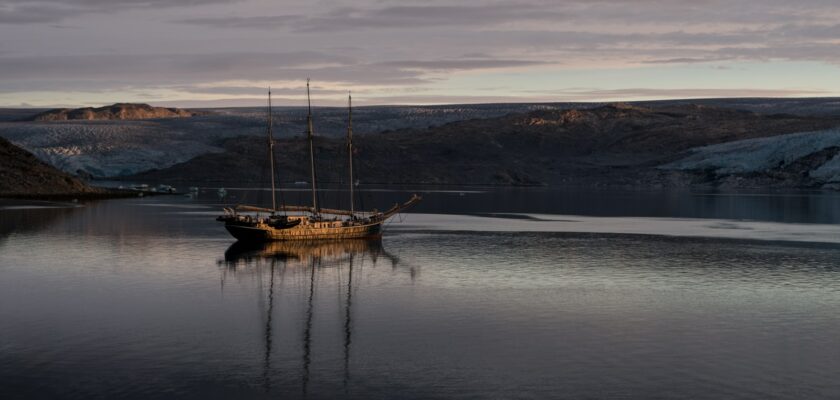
763	154
108	149
113	147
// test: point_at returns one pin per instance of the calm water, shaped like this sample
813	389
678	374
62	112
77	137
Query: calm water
478	294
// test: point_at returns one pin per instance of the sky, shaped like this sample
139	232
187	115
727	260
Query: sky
214	53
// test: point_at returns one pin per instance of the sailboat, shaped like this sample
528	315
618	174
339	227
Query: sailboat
310	222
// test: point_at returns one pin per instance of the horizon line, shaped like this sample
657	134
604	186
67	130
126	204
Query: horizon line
260	103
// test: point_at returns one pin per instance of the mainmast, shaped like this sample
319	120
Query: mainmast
350	148
311	149
271	153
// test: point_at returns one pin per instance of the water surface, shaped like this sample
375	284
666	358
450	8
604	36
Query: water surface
478	294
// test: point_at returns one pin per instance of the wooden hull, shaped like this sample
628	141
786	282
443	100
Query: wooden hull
265	233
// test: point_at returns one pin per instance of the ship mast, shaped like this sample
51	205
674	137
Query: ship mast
311	135
350	148
271	153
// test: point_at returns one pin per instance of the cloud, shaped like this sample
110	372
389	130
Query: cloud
592	95
192	72
256	22
229	102
393	17
459	64
644	31
670	93
684	60
109	5
534	14
255	90
51	11
227	48
163	67
35	13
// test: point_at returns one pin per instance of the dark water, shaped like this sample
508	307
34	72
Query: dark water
535	294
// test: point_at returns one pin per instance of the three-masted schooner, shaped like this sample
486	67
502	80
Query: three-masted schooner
311	222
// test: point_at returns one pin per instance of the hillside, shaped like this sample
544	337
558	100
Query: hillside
21	173
119	111
616	144
104	148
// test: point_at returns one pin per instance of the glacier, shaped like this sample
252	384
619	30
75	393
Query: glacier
108	149
111	148
762	154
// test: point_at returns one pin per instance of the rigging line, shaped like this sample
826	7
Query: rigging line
318	193
359	192
362	200
271	154
387	224
311	136
283	202
335	165
350	147
280	191
259	197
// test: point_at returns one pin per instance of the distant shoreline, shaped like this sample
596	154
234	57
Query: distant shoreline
105	194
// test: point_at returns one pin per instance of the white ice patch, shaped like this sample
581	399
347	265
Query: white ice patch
828	172
753	155
109	148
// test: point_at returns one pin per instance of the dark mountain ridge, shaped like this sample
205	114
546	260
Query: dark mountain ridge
611	144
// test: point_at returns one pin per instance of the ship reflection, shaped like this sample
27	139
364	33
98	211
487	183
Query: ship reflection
338	259
245	253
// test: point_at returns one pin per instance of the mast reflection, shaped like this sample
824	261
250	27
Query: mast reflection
314	259
307	333
347	331
269	313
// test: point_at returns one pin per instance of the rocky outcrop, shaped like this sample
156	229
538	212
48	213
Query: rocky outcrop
119	111
23	174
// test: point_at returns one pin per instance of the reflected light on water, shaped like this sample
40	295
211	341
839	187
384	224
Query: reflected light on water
150	298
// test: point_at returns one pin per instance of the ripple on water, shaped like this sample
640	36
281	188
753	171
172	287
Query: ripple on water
121	301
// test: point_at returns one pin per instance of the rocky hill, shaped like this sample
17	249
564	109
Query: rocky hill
119	111
616	144
23	174
105	148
